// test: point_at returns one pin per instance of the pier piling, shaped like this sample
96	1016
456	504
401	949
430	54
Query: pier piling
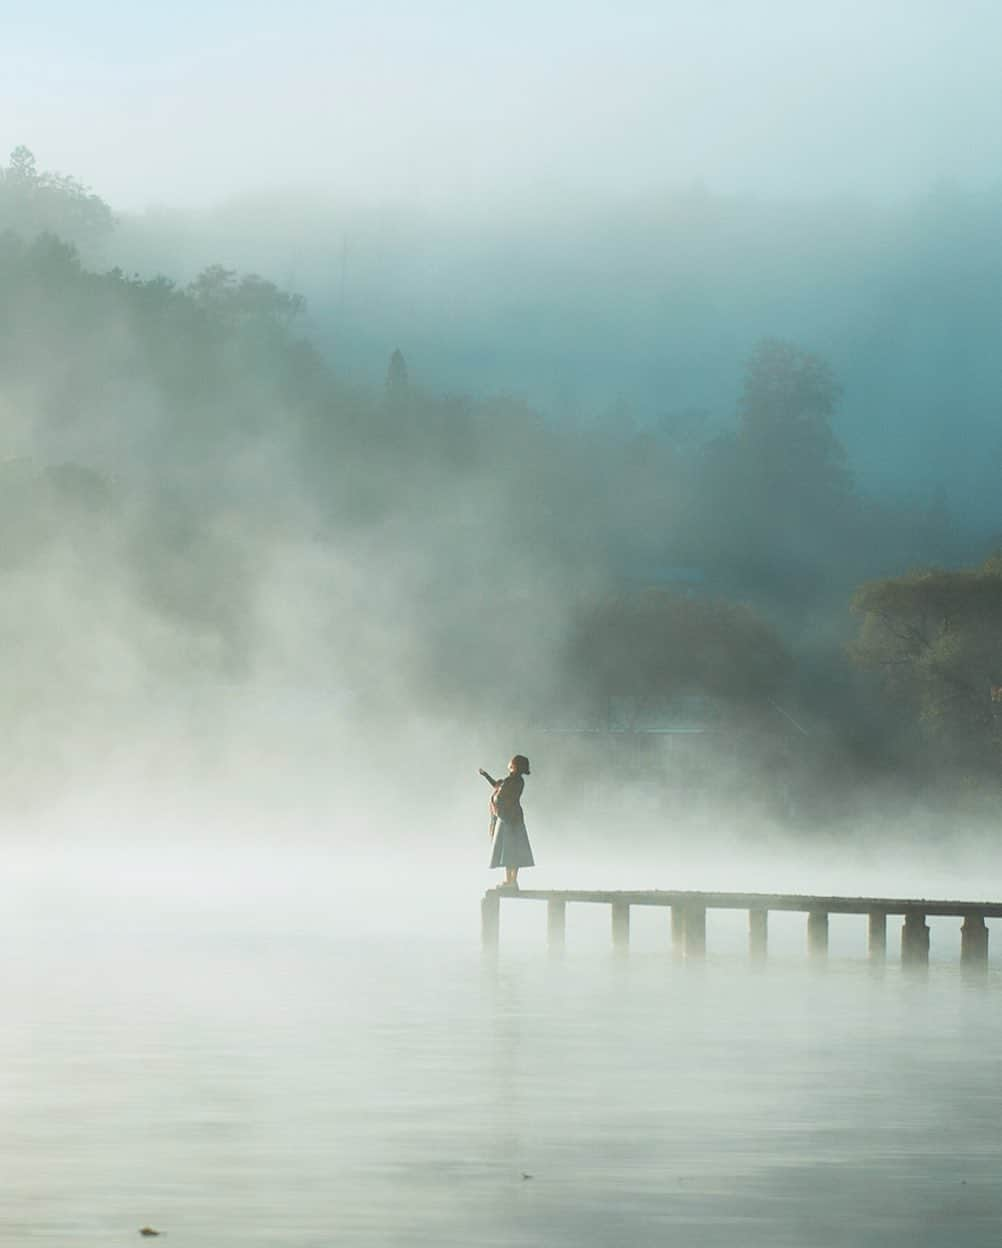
758	933
695	931
490	919
914	940
877	936
817	933
974	941
678	931
556	923
620	925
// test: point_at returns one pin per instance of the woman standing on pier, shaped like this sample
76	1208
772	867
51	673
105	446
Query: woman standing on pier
511	841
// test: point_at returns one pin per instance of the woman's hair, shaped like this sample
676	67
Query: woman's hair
521	765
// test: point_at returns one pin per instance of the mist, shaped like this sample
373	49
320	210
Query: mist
387	394
644	312
449	106
263	495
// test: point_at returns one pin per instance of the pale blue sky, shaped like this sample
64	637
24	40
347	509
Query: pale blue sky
445	103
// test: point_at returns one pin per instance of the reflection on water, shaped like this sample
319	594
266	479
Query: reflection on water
252	1081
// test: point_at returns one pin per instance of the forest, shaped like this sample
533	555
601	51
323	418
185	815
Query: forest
194	497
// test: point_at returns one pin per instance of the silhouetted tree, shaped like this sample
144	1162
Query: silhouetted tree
33	203
22	168
659	643
397	380
785	441
777	505
245	299
935	638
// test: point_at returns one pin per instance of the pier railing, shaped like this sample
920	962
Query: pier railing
688	918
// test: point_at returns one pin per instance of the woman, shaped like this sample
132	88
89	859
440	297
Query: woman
511	841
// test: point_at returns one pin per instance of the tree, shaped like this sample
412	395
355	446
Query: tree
245	300
779	511
657	644
784	435
397	380
785	387
935	639
22	168
33	203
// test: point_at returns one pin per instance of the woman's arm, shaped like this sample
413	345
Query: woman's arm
490	779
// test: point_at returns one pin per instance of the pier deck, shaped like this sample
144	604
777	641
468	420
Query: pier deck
688	917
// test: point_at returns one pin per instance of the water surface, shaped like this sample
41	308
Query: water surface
287	1069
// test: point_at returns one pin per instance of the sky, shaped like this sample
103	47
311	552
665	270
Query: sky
455	104
520	151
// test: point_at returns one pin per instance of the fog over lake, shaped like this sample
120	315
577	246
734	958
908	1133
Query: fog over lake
387	394
286	1053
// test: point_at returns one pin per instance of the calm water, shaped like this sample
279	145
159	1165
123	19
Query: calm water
241	1070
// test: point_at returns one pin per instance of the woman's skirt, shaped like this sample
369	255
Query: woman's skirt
511	845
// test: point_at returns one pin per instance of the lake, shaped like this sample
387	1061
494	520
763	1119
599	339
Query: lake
299	1057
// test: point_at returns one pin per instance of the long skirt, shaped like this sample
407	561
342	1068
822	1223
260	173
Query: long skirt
511	845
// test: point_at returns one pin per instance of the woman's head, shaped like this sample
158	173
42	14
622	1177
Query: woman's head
519	765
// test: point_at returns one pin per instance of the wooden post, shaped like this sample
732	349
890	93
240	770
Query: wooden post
678	930
620	925
695	931
556	922
758	933
974	941
914	940
490	919
817	934
877	936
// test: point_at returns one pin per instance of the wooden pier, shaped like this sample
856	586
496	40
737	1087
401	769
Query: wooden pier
688	919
